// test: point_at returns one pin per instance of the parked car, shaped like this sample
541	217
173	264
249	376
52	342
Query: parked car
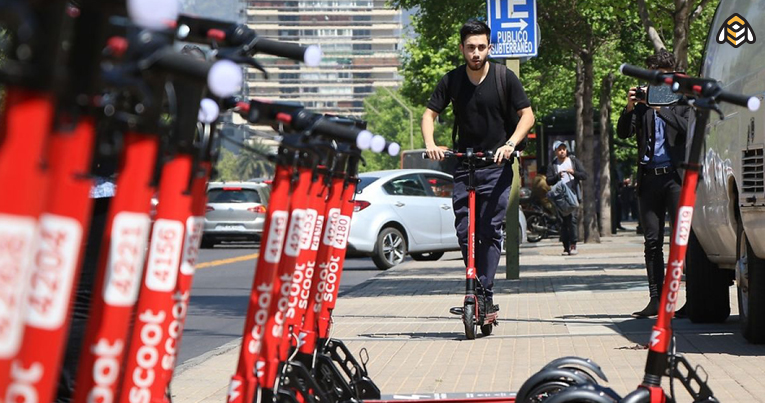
405	211
236	211
728	237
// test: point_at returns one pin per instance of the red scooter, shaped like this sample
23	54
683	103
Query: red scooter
474	315
703	95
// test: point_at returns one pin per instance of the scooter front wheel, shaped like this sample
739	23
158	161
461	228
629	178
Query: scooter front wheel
468	318
487	328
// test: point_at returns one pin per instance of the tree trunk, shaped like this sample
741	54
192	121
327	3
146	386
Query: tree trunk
682	20
653	36
606	223
578	103
589	196
578	138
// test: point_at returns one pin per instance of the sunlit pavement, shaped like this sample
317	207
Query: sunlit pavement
562	305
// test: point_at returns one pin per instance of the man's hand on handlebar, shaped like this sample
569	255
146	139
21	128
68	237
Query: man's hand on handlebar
434	152
503	153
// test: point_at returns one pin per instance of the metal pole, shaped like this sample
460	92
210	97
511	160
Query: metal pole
512	222
411	116
372	107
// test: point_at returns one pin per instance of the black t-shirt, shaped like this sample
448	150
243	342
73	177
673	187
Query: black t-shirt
482	122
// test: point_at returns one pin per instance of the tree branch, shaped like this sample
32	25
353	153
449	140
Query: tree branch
653	36
564	38
699	9
666	9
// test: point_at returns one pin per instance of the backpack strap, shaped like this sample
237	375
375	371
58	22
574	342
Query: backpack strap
455	88
500	77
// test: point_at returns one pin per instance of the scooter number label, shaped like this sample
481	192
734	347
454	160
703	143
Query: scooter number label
127	252
331	231
684	218
276	230
295	233
194	228
317	233
17	235
164	255
309	223
53	267
342	229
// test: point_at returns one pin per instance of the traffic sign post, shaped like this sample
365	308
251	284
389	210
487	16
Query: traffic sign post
513	26
514	34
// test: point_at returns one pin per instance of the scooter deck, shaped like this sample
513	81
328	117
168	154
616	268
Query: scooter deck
490	317
445	398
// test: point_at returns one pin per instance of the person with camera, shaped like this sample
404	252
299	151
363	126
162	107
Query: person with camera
661	135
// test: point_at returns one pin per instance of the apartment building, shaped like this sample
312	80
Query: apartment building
361	41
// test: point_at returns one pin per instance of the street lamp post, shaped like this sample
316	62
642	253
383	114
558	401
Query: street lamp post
377	112
411	116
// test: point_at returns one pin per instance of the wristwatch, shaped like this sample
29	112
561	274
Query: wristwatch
510	143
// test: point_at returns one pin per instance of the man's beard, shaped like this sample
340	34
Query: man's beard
480	65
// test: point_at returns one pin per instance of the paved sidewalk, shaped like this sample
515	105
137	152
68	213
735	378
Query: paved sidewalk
562	305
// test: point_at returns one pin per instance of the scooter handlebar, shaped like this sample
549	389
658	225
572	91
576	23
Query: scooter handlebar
749	102
189	66
485	156
310	55
230	34
691	86
653	77
295	117
322	126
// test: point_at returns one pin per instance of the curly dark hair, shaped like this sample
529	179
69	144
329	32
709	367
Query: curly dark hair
662	59
474	27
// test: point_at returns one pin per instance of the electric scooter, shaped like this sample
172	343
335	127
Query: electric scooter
703	95
474	314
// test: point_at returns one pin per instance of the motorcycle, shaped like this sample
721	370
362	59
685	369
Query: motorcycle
540	222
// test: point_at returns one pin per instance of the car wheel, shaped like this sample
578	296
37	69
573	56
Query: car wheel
390	248
207	243
426	257
707	286
751	292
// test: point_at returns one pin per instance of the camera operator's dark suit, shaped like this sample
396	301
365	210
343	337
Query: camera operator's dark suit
658	189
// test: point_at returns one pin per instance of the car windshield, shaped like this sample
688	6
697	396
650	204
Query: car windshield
364	182
233	195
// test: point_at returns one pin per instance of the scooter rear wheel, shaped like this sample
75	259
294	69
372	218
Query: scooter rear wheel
468	318
487	328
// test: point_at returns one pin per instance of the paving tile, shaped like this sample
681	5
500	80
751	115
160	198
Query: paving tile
561	306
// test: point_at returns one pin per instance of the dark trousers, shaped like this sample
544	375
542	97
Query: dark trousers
492	195
569	230
659	194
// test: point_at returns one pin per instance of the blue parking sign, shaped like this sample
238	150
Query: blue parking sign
513	26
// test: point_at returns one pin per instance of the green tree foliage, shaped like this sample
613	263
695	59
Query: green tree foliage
244	166
435	50
225	167
250	163
598	35
389	119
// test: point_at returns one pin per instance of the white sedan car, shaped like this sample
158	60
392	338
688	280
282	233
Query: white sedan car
405	211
